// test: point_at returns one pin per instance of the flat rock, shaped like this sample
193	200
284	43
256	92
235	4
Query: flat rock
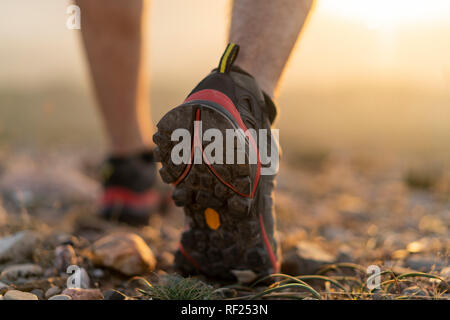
19	295
83	294
124	252
17	271
60	297
305	258
18	247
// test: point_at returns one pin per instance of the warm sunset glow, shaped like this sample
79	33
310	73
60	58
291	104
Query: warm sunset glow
385	14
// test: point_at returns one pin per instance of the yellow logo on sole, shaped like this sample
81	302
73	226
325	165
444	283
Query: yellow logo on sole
212	218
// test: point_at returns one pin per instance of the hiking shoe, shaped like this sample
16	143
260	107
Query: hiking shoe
130	193
230	222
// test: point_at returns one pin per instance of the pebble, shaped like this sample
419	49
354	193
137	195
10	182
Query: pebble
244	276
98	273
114	295
18	247
83	294
124	252
445	273
52	291
60	297
39	293
64	257
19	295
3	285
14	272
415	291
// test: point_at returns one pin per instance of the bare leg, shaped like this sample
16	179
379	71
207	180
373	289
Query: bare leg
266	31
115	41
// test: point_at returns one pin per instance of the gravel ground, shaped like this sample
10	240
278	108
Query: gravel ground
338	214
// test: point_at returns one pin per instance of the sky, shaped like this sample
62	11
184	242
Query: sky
380	41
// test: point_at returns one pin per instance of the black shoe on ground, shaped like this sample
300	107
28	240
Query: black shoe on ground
229	208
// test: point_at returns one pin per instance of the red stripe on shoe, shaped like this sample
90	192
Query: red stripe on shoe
126	197
269	249
188	257
194	145
223	100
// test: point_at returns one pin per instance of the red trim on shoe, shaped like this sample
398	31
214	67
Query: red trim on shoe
194	144
222	179
223	100
273	259
188	257
126	197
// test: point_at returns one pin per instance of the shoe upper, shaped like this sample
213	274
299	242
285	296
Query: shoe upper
136	173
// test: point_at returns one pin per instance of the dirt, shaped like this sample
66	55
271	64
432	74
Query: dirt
359	209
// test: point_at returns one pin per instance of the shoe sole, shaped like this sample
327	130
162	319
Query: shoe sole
223	234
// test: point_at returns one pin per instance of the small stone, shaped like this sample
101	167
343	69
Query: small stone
424	263
415	291
19	295
65	256
18	247
84	294
125	252
305	258
39	293
415	247
52	291
3	285
114	295
244	276
14	272
61	297
445	273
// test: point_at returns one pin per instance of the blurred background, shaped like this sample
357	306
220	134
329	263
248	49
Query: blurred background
365	75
